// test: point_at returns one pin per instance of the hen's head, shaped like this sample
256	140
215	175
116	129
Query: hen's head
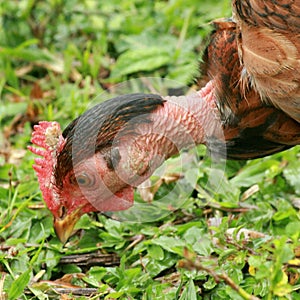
84	168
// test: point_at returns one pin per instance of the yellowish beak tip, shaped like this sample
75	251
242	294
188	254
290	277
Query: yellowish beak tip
64	227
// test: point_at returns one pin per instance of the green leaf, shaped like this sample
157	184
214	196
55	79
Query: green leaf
282	288
137	60
12	109
38	293
28	54
189	292
114	295
292	229
170	244
19	285
71	268
281	215
292	174
156	252
155	267
254	172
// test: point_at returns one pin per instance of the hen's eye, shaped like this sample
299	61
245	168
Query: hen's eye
85	180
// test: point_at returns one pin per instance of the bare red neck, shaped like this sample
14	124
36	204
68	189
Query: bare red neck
182	122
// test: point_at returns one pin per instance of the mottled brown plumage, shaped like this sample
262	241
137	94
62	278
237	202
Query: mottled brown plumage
269	50
252	127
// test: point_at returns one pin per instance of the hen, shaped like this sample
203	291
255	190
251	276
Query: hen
251	101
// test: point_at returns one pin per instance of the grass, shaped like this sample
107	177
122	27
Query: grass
237	241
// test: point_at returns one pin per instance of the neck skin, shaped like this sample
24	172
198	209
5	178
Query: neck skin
143	145
182	122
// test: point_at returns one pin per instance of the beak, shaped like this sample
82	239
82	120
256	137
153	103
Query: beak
64	227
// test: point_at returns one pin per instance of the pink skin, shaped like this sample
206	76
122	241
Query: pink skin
47	136
181	122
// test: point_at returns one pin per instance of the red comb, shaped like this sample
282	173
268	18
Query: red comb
47	136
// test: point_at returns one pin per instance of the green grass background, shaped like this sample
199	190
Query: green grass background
55	58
